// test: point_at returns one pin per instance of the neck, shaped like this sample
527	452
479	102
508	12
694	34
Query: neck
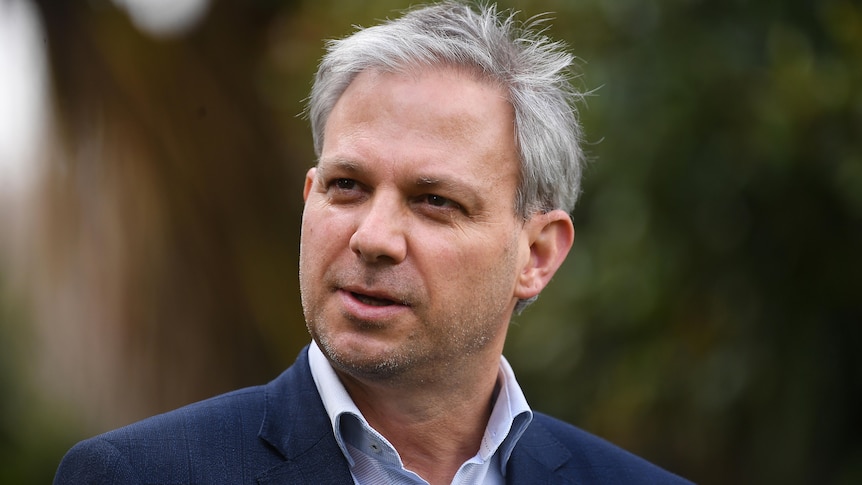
435	425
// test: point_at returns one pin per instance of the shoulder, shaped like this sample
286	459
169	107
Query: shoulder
184	445
226	416
578	456
231	438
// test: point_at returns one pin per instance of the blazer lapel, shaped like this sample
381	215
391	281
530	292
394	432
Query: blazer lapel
536	457
322	463
295	424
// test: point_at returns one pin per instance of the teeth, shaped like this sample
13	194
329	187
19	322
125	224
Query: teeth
368	300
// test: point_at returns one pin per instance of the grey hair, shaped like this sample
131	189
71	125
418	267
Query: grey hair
534	70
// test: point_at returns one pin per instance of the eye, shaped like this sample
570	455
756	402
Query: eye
435	200
344	184
344	190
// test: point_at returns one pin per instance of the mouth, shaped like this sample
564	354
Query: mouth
369	305
371	300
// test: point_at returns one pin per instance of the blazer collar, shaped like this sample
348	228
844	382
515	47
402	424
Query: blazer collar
536	457
296	425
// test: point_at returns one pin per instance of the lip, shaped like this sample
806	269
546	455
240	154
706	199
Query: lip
358	309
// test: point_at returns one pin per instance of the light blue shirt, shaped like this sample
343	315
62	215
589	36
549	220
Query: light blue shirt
373	460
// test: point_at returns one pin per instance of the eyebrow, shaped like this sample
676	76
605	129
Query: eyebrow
466	193
344	164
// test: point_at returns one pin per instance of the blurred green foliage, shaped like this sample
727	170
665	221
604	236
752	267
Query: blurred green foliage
33	431
709	316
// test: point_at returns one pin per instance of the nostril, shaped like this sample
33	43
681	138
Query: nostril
374	242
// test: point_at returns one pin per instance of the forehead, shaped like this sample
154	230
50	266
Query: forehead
432	120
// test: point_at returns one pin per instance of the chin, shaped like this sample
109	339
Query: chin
365	359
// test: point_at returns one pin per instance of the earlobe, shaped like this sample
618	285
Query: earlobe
551	237
309	182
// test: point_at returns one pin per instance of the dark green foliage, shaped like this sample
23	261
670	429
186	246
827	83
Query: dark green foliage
713	298
709	316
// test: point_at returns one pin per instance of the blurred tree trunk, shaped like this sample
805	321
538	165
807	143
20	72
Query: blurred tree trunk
166	255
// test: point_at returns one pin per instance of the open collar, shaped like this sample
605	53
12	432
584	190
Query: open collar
295	424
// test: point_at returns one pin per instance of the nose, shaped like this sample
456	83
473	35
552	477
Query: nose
380	235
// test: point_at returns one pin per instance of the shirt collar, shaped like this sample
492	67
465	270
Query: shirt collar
510	415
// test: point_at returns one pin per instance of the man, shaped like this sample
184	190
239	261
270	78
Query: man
449	160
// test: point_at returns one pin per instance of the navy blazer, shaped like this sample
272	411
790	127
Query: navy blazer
280	434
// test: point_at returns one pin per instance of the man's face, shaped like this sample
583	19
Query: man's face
410	245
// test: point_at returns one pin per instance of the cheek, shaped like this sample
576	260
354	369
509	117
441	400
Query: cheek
317	228
492	263
456	268
306	242
325	237
310	244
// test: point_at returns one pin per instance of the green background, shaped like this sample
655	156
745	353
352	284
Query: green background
708	317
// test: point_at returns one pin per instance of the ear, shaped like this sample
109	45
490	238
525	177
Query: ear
309	182
551	236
